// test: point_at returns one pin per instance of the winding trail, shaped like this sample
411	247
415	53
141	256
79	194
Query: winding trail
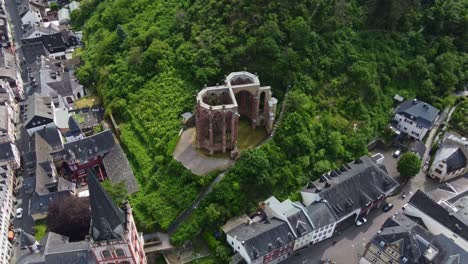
188	212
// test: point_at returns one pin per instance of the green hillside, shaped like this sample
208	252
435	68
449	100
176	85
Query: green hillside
345	59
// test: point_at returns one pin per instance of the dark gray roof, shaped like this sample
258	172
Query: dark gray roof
456	161
44	173
352	186
452	221
59	250
44	30
40	203
405	236
52	136
449	252
260	237
26	239
90	147
418	147
6	152
53	42
38	106
107	221
300	223
320	214
118	168
421	112
32	52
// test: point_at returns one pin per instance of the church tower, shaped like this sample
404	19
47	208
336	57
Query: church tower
114	237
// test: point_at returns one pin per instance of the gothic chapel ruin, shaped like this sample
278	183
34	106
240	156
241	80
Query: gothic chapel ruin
219	108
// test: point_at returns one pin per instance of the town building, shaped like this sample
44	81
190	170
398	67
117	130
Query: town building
113	237
10	154
441	218
415	118
352	191
451	159
50	78
38	112
402	240
219	108
332	203
6	210
57	169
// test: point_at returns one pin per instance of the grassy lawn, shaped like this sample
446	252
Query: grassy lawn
248	137
88	101
41	228
79	118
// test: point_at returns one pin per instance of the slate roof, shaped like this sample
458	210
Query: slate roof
107	221
40	203
6	152
8	73
37	105
418	147
3	118
406	237
53	42
449	252
299	223
32	52
352	186
261	238
26	239
90	147
51	135
44	170
456	161
424	114
59	250
320	214
44	30
118	168
452	221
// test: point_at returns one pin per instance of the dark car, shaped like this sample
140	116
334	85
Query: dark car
387	207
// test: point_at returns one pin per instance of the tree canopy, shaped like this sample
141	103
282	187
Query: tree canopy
408	165
69	216
344	60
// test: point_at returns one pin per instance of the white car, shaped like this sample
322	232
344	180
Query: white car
19	213
361	221
397	153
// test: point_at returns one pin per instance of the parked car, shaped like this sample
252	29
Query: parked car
19	213
387	207
397	153
361	221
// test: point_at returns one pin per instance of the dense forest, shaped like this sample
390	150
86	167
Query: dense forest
344	59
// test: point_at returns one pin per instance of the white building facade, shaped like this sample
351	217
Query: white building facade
6	210
415	118
450	161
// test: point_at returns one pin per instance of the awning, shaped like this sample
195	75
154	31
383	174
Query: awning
11	235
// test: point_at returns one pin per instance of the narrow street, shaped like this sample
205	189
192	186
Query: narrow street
17	30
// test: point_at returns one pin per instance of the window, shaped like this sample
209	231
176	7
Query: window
106	254
438	171
124	262
120	252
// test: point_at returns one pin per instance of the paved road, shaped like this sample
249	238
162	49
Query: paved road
16	26
350	245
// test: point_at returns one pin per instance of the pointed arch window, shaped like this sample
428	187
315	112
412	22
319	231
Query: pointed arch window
106	254
120	252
